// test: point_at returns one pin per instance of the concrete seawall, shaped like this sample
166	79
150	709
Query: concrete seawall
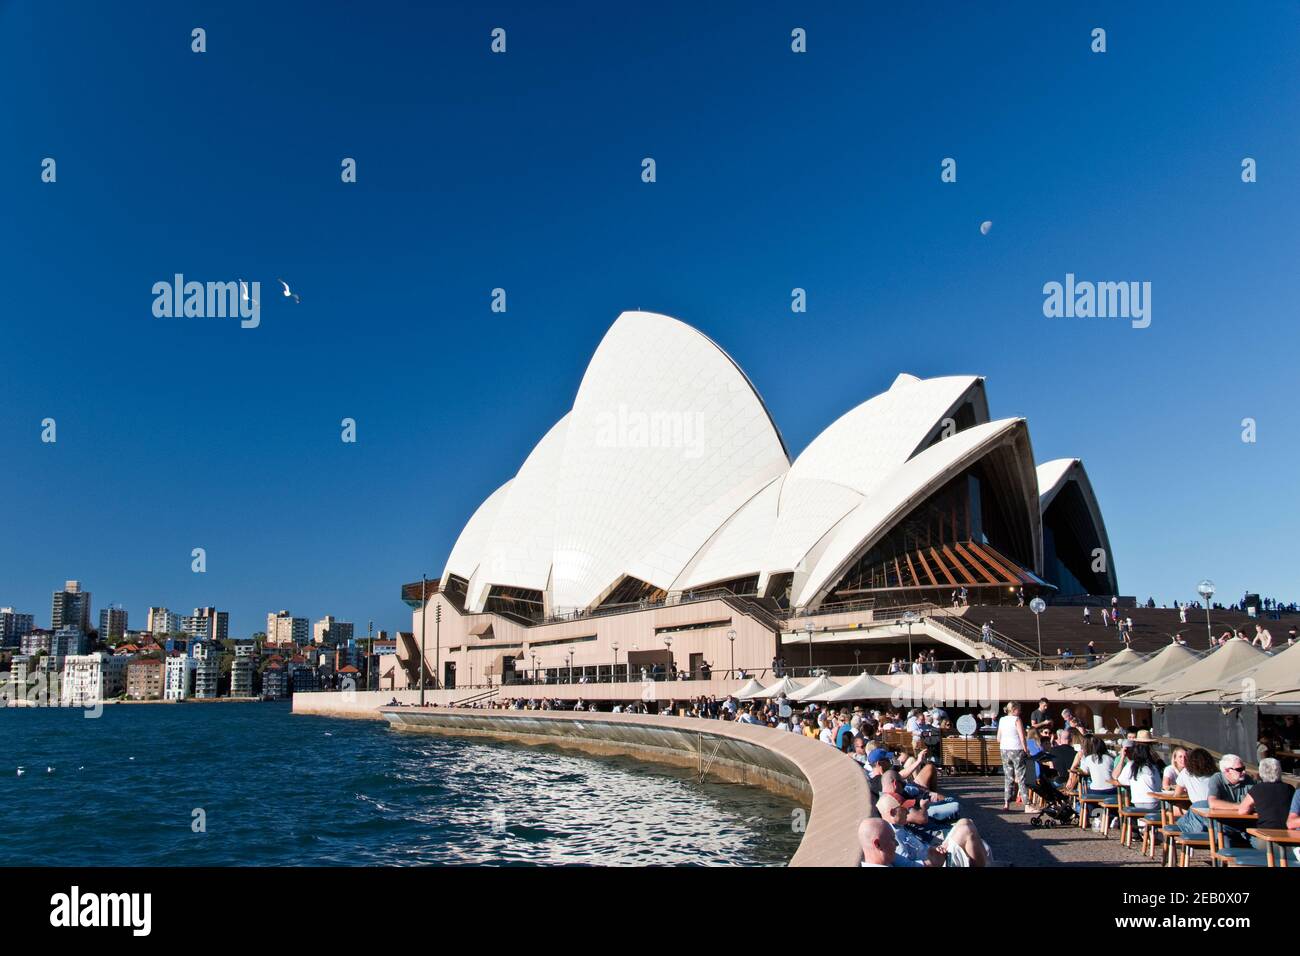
795	767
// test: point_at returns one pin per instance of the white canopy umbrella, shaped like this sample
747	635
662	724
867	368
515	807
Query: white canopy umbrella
751	688
817	690
1210	671
862	687
1166	663
1278	673
1093	675
785	685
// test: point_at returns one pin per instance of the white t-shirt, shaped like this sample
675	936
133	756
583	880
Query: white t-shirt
1008	739
1198	788
827	736
1098	771
1141	785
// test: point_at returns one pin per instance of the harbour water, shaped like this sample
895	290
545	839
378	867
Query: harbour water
253	785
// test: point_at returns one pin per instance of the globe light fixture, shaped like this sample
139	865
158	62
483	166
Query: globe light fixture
1038	606
1206	590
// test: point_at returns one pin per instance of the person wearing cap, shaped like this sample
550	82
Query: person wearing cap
912	850
879	761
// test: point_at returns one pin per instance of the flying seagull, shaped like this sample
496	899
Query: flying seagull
21	771
243	292
49	770
985	226
289	294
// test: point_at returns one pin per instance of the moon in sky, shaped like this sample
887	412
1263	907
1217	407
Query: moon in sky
985	226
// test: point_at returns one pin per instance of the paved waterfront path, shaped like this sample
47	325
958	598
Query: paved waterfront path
1016	843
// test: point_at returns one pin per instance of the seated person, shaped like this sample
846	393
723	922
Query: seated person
1066	751
913	849
924	809
1228	788
1096	767
1063	758
961	847
1142	774
1193	782
1270	798
921	770
876	838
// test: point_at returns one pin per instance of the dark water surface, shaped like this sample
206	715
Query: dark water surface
285	790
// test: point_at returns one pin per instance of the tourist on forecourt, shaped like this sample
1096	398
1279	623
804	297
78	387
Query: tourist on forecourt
1011	741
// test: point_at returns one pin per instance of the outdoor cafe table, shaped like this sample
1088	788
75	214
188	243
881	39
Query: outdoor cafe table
1276	838
1216	819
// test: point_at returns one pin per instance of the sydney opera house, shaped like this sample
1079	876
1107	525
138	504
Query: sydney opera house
661	525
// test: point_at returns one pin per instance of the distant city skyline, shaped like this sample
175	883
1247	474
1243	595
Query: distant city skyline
114	620
776	171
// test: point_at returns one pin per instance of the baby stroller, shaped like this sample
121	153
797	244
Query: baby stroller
1058	809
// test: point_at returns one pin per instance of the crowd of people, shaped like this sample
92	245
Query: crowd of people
1051	754
1058	759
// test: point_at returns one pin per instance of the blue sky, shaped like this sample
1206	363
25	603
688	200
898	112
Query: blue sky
775	170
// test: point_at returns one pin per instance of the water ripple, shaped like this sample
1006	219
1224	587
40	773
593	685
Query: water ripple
281	790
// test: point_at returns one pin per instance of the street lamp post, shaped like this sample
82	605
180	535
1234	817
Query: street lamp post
534	656
614	677
437	645
731	638
808	627
424	603
668	643
1206	590
910	618
570	665
1038	606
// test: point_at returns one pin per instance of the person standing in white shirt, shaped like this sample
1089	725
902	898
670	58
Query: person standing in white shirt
1011	741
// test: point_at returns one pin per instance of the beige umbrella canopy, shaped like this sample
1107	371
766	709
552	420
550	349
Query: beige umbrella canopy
1212	670
1124	659
750	688
1172	659
864	687
817	690
1276	674
785	686
1286	697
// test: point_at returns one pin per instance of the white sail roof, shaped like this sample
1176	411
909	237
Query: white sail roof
468	550
907	486
517	550
669	469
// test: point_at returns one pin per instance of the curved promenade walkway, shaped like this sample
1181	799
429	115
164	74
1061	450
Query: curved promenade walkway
829	782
